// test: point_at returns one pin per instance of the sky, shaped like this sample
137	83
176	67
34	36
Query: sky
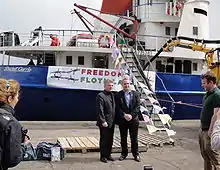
22	16
25	15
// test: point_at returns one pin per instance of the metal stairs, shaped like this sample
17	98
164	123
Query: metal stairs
149	102
141	82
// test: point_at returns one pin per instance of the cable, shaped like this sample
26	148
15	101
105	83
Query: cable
153	68
142	71
182	103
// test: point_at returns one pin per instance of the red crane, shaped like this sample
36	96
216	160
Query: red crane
135	22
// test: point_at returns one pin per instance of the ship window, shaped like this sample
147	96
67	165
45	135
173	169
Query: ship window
195	66
100	62
160	67
176	31
80	60
170	60
167	30
69	60
195	30
169	68
200	11
178	66
187	66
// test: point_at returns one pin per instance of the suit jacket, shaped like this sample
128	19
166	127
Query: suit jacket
122	108
105	108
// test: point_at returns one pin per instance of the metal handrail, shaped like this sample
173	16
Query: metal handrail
141	71
141	74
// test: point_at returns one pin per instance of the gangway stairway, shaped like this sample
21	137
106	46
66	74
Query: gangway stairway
141	83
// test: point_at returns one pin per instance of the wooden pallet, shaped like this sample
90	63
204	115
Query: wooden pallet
117	146
91	144
79	144
153	140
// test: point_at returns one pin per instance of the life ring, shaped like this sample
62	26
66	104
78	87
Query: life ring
99	40
179	5
104	36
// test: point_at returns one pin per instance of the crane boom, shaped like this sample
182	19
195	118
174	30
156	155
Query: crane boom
195	45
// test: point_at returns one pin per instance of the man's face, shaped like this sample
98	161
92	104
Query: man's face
109	86
207	86
126	85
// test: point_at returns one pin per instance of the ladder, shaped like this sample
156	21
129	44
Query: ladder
141	82
149	102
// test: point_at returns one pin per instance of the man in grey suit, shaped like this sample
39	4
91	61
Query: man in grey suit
105	108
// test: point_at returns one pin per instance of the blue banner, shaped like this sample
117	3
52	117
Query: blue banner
25	75
37	76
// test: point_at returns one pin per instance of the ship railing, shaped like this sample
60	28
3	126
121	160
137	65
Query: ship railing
169	11
74	38
150	42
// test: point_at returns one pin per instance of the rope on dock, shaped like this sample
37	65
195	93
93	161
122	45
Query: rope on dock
181	103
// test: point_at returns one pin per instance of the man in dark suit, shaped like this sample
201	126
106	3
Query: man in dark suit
105	108
127	110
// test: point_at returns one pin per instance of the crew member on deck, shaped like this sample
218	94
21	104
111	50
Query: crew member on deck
37	33
55	41
12	133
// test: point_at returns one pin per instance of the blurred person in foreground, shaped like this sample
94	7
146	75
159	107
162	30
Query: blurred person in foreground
211	102
12	134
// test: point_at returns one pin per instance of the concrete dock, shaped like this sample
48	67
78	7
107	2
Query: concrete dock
184	155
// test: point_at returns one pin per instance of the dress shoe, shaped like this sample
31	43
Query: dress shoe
137	158
110	158
122	157
104	160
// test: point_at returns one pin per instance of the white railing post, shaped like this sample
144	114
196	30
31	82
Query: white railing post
76	38
3	39
179	12
9	57
63	37
174	7
3	57
171	8
13	38
166	8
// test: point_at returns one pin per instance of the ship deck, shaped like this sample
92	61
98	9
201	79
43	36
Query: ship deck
26	51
